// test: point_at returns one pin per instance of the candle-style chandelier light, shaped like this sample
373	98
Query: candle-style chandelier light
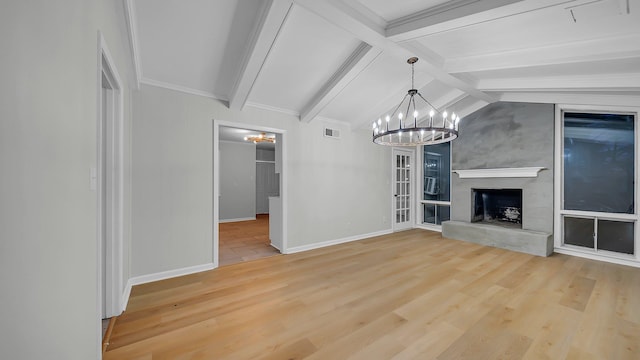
439	126
260	138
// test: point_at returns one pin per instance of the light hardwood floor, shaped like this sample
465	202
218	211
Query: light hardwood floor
245	240
408	295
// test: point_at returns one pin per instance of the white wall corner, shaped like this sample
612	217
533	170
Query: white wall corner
132	30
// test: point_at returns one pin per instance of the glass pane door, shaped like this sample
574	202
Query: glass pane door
403	215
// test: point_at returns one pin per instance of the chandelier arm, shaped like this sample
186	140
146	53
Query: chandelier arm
408	107
430	104
398	107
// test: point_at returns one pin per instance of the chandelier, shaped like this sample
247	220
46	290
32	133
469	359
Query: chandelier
260	138
411	131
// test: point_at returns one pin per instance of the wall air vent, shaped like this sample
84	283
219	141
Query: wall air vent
332	133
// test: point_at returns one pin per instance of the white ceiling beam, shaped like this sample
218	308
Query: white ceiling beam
461	13
350	69
622	47
572	98
348	18
471	107
447	102
439	73
364	28
272	17
573	83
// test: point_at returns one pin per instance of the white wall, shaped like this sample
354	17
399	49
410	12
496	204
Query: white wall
48	114
172	213
337	188
237	180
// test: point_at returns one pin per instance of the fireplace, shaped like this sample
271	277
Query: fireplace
502	207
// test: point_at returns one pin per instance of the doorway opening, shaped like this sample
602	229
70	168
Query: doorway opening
249	193
108	180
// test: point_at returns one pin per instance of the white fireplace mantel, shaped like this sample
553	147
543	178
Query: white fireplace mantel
521	172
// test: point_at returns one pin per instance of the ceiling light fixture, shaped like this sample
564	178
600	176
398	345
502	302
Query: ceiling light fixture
260	138
440	129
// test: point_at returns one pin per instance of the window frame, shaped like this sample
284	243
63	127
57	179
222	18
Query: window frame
419	209
561	213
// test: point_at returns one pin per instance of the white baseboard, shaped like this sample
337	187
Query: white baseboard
236	220
597	257
437	228
319	245
125	296
143	279
275	247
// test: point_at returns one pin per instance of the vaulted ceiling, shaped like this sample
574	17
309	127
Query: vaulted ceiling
345	60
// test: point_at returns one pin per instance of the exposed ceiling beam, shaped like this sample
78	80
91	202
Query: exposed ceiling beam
350	69
348	18
471	107
448	15
623	47
364	28
461	13
271	20
439	73
571	98
574	83
446	102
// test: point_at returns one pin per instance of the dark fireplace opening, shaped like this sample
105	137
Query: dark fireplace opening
501	207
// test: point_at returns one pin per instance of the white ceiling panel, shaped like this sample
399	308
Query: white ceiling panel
538	28
193	44
307	52
346	59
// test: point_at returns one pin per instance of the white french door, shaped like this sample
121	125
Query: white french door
402	169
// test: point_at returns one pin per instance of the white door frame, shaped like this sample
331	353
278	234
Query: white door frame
115	160
412	206
216	180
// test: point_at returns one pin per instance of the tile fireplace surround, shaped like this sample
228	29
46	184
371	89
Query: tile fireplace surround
505	146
